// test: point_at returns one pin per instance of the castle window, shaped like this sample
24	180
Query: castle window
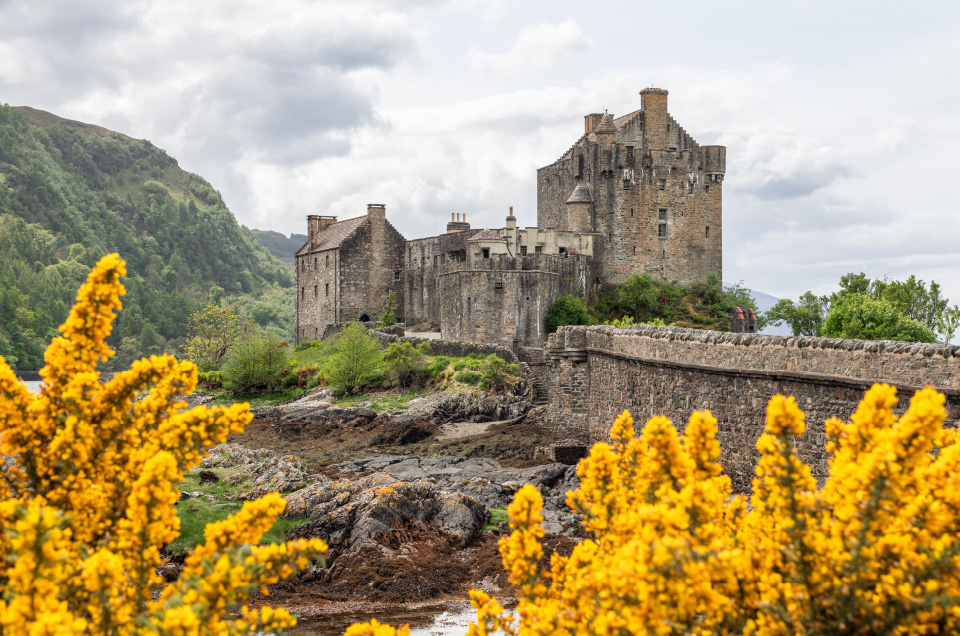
314	264
580	167
328	289
707	235
706	188
303	265
690	187
396	277
316	290
486	252
668	127
626	184
631	212
629	152
662	215
303	293
662	223
538	249
563	251
663	184
634	250
523	250
328	260
435	259
498	284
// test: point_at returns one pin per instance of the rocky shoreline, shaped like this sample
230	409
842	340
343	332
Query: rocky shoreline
405	522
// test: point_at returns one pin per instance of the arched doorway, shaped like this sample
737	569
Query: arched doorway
364	318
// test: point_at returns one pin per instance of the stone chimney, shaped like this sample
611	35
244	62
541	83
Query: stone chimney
511	220
591	121
456	225
655	118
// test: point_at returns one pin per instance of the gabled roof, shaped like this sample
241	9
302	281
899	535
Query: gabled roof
486	235
620	121
333	235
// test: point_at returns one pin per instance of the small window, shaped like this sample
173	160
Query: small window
303	265
663	254
706	188
563	251
707	233
314	264
523	250
303	293
690	187
662	230
580	167
486	252
538	249
328	260
498	284
396	277
662	215
663	184
629	152
626	184
328	289
631	212
668	127
634	250
435	259
316	291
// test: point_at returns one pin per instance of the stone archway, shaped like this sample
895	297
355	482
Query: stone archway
364	318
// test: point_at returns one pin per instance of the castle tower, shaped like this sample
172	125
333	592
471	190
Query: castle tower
656	194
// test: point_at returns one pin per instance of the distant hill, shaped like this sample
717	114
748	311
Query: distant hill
71	192
279	245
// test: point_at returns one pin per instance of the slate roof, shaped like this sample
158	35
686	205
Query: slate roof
606	125
333	235
620	121
581	194
487	235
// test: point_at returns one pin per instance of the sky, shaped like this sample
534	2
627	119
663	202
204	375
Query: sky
841	119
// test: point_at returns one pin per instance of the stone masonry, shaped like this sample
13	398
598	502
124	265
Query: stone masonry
594	373
633	195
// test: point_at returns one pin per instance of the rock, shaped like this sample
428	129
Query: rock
184	495
270	471
569	451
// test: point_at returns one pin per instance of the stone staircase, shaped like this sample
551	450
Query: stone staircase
538	390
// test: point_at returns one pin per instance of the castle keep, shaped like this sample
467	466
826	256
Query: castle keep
634	194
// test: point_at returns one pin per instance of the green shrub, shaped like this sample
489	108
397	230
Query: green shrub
493	376
567	310
388	317
513	368
407	365
437	366
356	360
256	366
468	377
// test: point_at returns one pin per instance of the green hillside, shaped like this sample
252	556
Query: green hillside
281	246
71	192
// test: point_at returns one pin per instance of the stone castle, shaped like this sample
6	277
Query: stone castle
634	194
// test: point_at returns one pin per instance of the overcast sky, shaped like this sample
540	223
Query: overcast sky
841	119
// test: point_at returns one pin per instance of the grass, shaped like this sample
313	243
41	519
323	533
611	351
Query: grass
258	400
382	403
498	515
197	512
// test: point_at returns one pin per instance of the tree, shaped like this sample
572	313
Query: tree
388	317
567	310
88	491
356	359
215	332
804	319
865	318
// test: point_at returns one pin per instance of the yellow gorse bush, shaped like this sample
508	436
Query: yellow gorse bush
86	499
874	551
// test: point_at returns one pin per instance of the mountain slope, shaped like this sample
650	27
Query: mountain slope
71	192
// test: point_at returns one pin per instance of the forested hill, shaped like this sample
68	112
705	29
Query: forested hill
71	192
283	247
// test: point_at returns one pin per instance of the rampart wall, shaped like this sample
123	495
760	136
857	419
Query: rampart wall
594	373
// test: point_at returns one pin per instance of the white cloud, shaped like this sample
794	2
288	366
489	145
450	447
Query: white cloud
539	47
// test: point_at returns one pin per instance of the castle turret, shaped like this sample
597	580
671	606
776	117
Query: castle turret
579	209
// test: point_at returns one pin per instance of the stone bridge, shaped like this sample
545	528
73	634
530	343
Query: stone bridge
590	374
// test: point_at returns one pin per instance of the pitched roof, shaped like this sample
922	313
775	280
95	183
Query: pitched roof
333	235
606	125
487	235
620	121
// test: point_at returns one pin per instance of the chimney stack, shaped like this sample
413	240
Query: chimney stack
456	224
591	121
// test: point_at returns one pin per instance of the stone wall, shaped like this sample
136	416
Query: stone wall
596	372
318	293
371	266
425	259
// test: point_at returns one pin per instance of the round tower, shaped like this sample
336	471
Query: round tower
579	209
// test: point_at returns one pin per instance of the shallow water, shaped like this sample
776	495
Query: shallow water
443	619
